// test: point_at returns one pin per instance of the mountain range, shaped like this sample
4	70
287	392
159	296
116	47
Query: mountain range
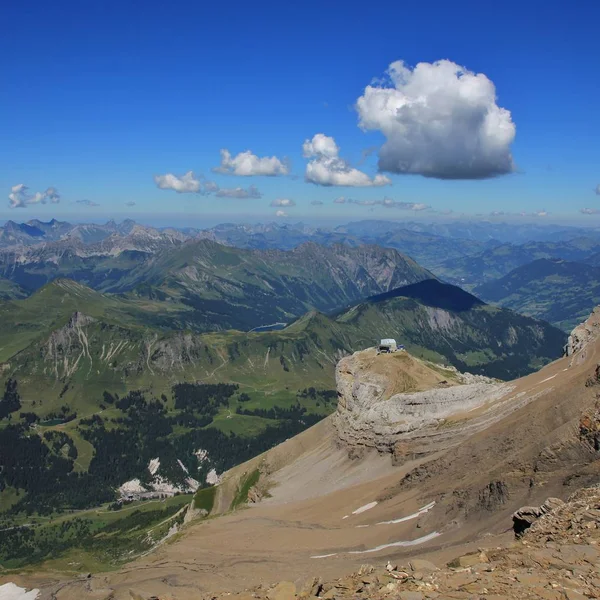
186	265
442	247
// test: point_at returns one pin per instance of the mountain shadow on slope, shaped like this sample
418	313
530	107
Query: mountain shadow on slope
434	293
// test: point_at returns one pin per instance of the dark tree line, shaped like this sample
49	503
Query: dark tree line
11	401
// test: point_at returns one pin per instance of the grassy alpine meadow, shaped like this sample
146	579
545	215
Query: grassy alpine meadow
99	539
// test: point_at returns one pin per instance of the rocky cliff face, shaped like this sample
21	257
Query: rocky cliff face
583	335
397	403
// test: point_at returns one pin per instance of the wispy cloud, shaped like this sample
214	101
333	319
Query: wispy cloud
317	203
281	213
240	193
386	202
247	164
89	203
21	197
327	168
501	213
597	189
283	202
589	211
130	203
192	184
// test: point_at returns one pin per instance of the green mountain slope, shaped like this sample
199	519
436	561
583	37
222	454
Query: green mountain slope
30	319
493	263
242	289
87	342
225	287
558	291
92	392
446	324
10	290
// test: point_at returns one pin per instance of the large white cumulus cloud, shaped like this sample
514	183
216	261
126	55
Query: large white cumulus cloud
440	120
327	168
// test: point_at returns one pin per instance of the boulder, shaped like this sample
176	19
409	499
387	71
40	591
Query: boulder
527	515
423	566
285	590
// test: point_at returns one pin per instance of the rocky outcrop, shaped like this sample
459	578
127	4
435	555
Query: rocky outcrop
67	346
371	414
526	516
584	334
589	427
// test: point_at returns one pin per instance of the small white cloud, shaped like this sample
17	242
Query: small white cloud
283	202
130	203
281	213
590	211
87	203
192	184
440	120
317	203
20	197
328	169
340	200
536	213
52	195
247	164
184	184
241	193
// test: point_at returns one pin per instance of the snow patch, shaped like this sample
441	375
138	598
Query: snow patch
420	512
400	544
10	591
364	508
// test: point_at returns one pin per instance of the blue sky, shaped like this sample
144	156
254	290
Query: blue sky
98	99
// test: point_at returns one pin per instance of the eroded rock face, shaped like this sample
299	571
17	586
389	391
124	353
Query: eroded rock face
371	414
526	516
584	334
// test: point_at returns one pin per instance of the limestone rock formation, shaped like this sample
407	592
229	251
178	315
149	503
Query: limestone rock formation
584	334
387	401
